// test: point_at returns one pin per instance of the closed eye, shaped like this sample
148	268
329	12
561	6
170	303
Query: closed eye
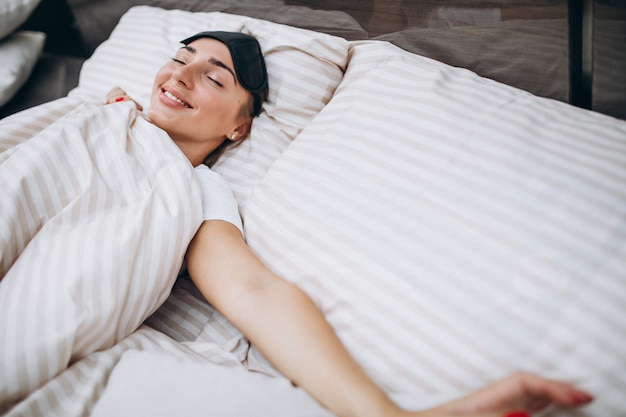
219	84
178	61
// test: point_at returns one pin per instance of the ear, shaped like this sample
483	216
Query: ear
240	132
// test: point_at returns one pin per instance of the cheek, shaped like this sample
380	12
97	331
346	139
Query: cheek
161	77
218	110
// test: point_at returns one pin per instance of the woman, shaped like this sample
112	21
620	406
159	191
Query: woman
205	98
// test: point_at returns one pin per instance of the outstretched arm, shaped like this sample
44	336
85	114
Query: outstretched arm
281	321
286	326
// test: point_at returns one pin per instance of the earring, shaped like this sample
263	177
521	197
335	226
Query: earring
233	136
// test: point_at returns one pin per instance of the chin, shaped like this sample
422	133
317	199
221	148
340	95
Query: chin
158	120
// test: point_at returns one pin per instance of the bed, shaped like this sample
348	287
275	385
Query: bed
452	227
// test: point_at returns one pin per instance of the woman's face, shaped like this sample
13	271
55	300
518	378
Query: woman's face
196	97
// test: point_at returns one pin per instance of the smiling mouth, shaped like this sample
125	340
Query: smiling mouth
174	98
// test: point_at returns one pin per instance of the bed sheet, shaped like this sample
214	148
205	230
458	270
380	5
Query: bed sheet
193	388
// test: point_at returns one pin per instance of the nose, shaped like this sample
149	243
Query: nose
183	75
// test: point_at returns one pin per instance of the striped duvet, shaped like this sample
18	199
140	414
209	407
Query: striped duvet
97	209
451	228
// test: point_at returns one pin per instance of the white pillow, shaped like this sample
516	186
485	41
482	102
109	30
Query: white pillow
454	230
13	13
304	68
19	54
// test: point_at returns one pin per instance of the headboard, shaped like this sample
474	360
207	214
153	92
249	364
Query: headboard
570	50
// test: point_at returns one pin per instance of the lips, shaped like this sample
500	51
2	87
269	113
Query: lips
174	98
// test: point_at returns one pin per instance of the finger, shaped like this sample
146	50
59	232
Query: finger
124	98
558	392
115	92
115	99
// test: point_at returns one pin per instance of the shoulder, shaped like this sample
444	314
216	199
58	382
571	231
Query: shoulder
206	174
218	200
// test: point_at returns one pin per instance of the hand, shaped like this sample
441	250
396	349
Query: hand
518	395
117	94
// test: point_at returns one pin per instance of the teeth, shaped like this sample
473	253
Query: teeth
171	96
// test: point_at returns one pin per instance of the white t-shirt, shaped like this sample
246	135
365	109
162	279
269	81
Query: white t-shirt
218	201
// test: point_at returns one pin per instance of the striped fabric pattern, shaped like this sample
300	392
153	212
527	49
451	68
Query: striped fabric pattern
74	391
22	126
454	229
96	213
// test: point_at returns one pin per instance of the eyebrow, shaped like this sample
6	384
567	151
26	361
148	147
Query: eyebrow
213	61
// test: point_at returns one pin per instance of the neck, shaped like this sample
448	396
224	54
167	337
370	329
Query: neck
197	152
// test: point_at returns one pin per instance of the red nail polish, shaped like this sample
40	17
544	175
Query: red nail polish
119	99
517	414
581	398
